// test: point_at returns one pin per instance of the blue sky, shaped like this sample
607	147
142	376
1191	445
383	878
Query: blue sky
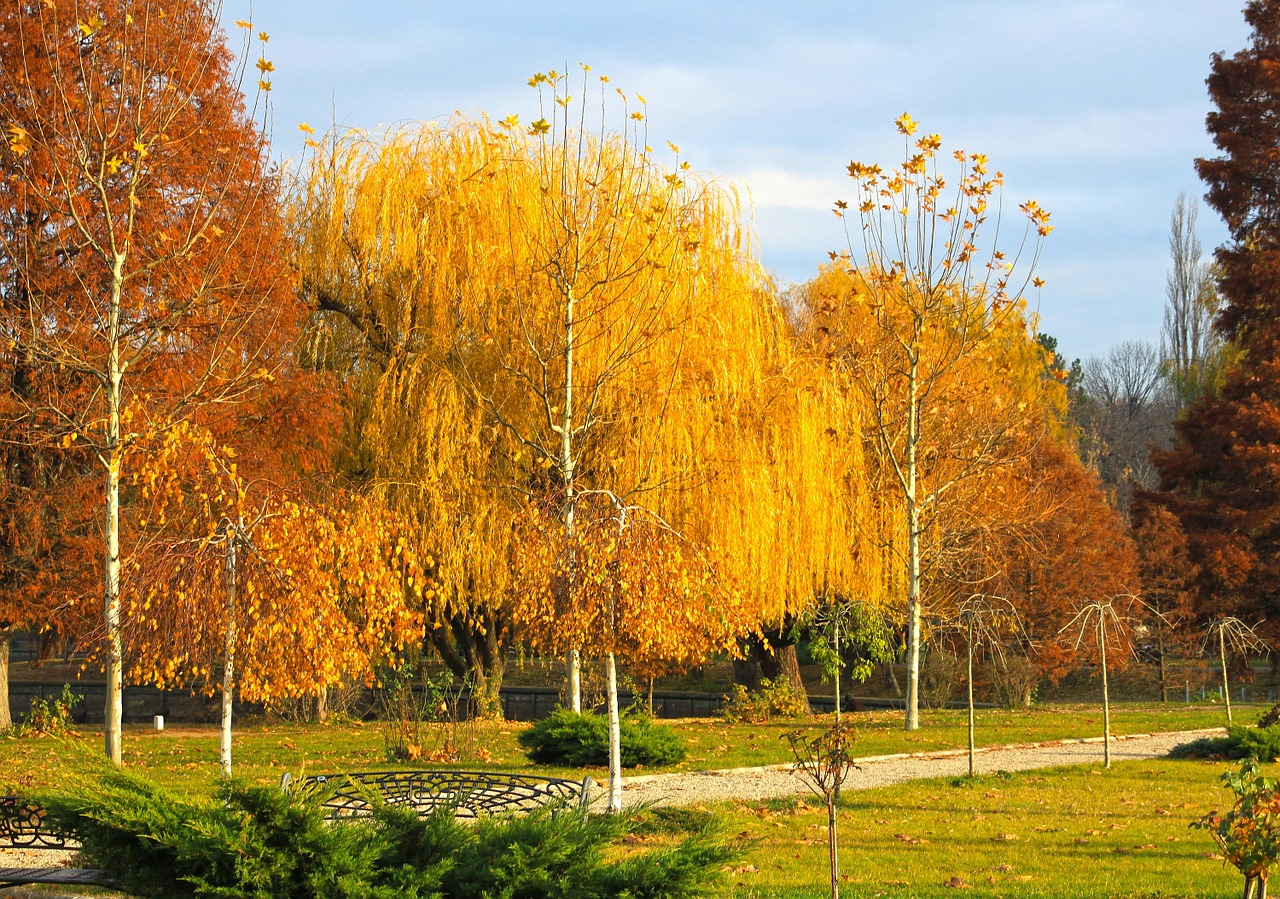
1095	108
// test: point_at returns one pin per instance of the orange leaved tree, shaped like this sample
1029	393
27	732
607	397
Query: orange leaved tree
139	236
251	589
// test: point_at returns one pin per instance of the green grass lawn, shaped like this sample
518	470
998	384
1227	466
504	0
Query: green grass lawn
186	757
1069	832
1066	833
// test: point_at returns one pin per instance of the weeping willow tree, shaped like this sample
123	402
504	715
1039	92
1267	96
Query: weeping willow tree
568	367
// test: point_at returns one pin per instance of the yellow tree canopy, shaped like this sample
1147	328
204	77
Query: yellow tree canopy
491	289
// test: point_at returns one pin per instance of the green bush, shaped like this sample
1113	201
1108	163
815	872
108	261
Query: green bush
252	842
582	739
259	842
1261	743
50	717
773	699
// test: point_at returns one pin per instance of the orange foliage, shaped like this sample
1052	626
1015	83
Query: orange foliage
321	590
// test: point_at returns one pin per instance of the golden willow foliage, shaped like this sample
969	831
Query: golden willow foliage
320	592
492	288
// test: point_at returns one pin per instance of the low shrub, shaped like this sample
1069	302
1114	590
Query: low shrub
50	717
1013	681
1261	743
773	699
260	842
582	739
942	675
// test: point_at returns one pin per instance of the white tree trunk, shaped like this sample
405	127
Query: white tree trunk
229	661
614	806
573	661
113	712
914	612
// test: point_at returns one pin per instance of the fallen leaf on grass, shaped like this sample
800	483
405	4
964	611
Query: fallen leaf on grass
956	883
1163	812
1005	838
896	883
1081	841
1213	855
910	841
1005	869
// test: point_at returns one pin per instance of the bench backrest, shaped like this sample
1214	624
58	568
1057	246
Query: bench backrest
468	793
22	826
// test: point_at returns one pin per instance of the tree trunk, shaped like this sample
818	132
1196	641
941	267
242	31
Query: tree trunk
774	657
573	659
1226	687
113	710
573	680
1160	653
229	659
1106	697
833	847
614	806
892	677
914	612
6	640
971	728
476	653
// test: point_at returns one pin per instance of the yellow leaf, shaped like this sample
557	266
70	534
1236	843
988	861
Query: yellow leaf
19	140
266	65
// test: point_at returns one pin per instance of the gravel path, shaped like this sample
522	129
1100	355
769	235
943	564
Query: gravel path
754	784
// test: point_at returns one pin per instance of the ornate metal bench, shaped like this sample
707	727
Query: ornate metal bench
468	793
22	826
